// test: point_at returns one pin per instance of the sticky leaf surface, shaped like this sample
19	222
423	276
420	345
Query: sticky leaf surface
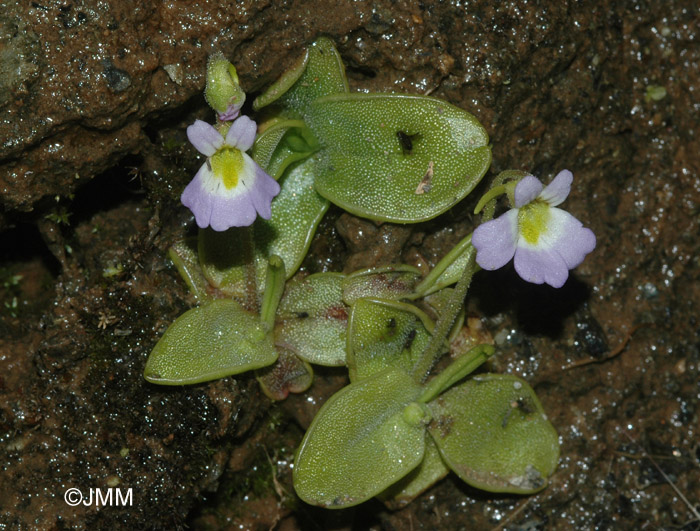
359	442
366	169
431	470
296	212
392	282
209	342
319	73
312	319
383	335
493	433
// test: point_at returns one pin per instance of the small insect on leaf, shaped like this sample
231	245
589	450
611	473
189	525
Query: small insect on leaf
406	141
378	180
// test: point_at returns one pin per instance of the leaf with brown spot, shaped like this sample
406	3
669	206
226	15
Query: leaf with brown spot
312	319
498	438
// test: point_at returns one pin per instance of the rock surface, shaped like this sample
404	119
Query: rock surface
95	96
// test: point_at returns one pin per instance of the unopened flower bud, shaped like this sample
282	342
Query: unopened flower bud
223	92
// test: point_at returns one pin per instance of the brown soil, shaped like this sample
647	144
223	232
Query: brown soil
94	100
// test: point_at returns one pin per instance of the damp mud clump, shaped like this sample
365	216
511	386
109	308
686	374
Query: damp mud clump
95	104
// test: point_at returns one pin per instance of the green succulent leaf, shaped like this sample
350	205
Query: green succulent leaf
320	72
493	433
360	442
366	168
272	152
431	470
392	282
312	319
384	334
296	212
184	255
281	144
223	257
289	374
269	139
210	342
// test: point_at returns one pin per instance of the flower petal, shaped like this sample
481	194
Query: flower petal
214	199
197	199
567	236
495	241
241	134
260	186
216	207
558	189
231	112
232	211
562	246
527	190
541	265
204	137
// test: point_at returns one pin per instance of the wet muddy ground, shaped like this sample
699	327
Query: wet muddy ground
94	100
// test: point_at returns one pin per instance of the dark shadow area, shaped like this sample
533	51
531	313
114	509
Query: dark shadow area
359	72
23	243
539	309
108	190
358	518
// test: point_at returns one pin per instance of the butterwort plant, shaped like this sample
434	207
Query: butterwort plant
400	425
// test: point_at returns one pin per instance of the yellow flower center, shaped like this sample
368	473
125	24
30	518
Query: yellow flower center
532	220
227	164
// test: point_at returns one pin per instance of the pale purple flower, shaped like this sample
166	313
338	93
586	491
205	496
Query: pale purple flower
230	189
231	112
545	241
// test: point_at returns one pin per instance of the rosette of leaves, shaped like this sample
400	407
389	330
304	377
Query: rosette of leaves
307	325
388	157
389	436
